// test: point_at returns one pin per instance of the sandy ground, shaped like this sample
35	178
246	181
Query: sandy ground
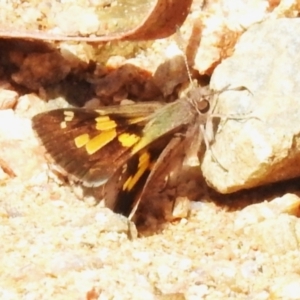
57	244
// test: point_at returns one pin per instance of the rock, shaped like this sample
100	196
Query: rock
8	98
42	69
256	213
259	86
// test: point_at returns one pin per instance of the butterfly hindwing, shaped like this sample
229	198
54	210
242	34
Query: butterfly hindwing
156	201
125	188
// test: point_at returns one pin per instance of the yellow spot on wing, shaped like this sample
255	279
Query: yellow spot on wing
99	141
81	140
144	162
128	139
63	125
103	119
100	111
105	123
69	115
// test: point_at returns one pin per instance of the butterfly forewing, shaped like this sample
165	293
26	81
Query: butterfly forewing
86	144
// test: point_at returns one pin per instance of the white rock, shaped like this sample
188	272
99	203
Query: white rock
263	146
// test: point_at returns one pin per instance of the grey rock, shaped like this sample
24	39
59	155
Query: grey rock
259	84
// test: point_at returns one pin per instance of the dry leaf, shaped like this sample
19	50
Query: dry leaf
161	21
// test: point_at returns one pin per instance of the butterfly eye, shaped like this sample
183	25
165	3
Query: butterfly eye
203	106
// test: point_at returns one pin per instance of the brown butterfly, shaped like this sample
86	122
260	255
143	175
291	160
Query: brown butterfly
132	151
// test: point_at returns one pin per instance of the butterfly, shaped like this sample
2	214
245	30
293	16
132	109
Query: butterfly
131	151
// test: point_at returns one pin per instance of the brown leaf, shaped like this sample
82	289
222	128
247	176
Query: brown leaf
160	22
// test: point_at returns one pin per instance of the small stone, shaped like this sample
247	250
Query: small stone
256	213
181	207
8	99
287	287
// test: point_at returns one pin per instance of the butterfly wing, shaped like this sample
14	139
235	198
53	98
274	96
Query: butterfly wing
124	189
156	202
87	144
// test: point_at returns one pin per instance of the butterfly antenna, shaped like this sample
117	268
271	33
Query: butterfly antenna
187	68
180	43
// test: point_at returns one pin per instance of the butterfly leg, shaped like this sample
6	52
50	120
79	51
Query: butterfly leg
208	137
